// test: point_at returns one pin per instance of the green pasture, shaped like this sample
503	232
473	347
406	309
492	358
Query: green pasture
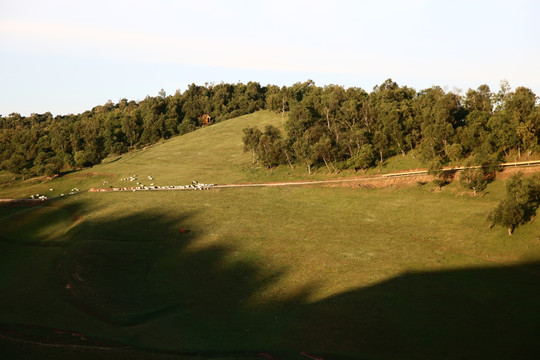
260	273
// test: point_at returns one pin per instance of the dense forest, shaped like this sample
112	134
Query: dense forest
329	126
45	145
349	128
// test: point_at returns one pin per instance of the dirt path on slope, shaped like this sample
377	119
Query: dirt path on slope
402	178
405	177
367	181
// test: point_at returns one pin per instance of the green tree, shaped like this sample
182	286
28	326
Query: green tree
520	204
364	159
392	107
520	107
508	214
515	126
439	114
480	99
331	101
187	126
303	151
81	158
475	133
526	192
15	164
251	141
323	151
475	179
270	147
381	143
435	168
301	118
131	128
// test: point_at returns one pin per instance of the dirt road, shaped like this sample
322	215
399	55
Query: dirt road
407	173
372	180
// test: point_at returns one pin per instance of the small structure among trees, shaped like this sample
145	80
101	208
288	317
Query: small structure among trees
205	120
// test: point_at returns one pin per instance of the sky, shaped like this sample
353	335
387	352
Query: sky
67	56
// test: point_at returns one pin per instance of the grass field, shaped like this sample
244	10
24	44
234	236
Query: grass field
335	272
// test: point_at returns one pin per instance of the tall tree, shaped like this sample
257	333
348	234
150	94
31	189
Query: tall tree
251	140
270	147
480	99
439	114
520	204
520	108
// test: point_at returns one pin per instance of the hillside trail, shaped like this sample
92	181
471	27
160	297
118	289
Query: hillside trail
405	177
389	179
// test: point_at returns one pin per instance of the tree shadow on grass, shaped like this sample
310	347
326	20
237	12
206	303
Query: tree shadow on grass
161	289
155	290
475	313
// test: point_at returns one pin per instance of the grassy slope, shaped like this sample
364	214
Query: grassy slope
387	273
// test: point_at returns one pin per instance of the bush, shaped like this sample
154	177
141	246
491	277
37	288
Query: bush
475	179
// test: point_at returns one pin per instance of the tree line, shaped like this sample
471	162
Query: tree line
41	144
331	126
349	128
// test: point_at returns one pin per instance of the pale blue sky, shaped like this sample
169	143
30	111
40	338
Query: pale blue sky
68	56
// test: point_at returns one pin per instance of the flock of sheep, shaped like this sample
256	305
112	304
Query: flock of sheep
44	197
195	185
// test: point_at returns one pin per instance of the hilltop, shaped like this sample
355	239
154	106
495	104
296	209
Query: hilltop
210	155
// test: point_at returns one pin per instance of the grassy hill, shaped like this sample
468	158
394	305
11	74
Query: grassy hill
335	272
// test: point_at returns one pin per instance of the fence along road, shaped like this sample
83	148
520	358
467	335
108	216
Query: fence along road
458	168
390	175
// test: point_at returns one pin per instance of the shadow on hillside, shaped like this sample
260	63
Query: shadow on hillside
460	314
157	289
